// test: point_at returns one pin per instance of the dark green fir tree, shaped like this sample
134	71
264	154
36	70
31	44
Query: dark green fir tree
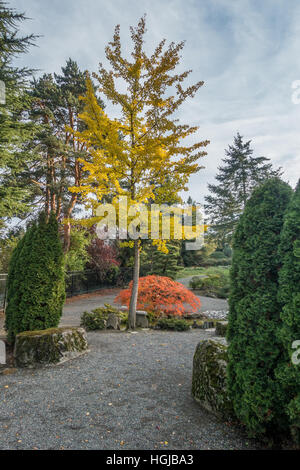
240	173
15	129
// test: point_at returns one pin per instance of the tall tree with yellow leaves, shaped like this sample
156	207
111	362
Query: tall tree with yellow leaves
140	155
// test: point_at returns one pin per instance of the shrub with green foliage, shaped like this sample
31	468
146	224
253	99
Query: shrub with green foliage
93	321
107	309
213	285
288	373
254	311
77	257
96	319
7	246
176	324
36	283
217	261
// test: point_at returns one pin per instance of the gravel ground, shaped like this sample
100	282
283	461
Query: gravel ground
131	391
75	306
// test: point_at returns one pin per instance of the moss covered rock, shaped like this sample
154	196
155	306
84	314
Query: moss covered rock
51	346
209	377
221	328
113	321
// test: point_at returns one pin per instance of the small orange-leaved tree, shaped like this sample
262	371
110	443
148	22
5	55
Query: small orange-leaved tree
160	295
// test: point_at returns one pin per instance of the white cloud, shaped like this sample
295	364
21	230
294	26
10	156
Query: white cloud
246	51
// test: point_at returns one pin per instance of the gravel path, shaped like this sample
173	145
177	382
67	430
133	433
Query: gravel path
131	391
75	306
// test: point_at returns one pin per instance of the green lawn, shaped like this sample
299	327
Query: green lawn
197	270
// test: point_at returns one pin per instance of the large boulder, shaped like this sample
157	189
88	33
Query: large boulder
51	346
113	322
209	377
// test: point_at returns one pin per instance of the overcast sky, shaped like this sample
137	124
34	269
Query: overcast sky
246	51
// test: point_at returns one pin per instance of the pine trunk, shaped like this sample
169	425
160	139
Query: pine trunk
135	287
67	236
67	224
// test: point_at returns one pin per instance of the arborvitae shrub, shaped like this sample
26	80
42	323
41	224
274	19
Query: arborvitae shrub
288	372
254	311
36	283
177	324
12	280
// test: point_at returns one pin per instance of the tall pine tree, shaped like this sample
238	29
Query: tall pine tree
56	106
15	129
236	179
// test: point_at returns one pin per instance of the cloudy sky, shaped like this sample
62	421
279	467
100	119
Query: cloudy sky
246	51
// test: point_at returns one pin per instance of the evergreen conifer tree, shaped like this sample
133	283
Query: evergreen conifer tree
56	106
13	278
36	287
156	262
236	179
254	311
289	299
15	130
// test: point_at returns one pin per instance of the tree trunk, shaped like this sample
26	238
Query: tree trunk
67	236
67	223
135	287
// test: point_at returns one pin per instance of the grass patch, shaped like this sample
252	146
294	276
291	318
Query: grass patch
216	283
200	270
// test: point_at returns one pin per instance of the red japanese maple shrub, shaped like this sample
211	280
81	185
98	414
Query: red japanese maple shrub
103	258
161	295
